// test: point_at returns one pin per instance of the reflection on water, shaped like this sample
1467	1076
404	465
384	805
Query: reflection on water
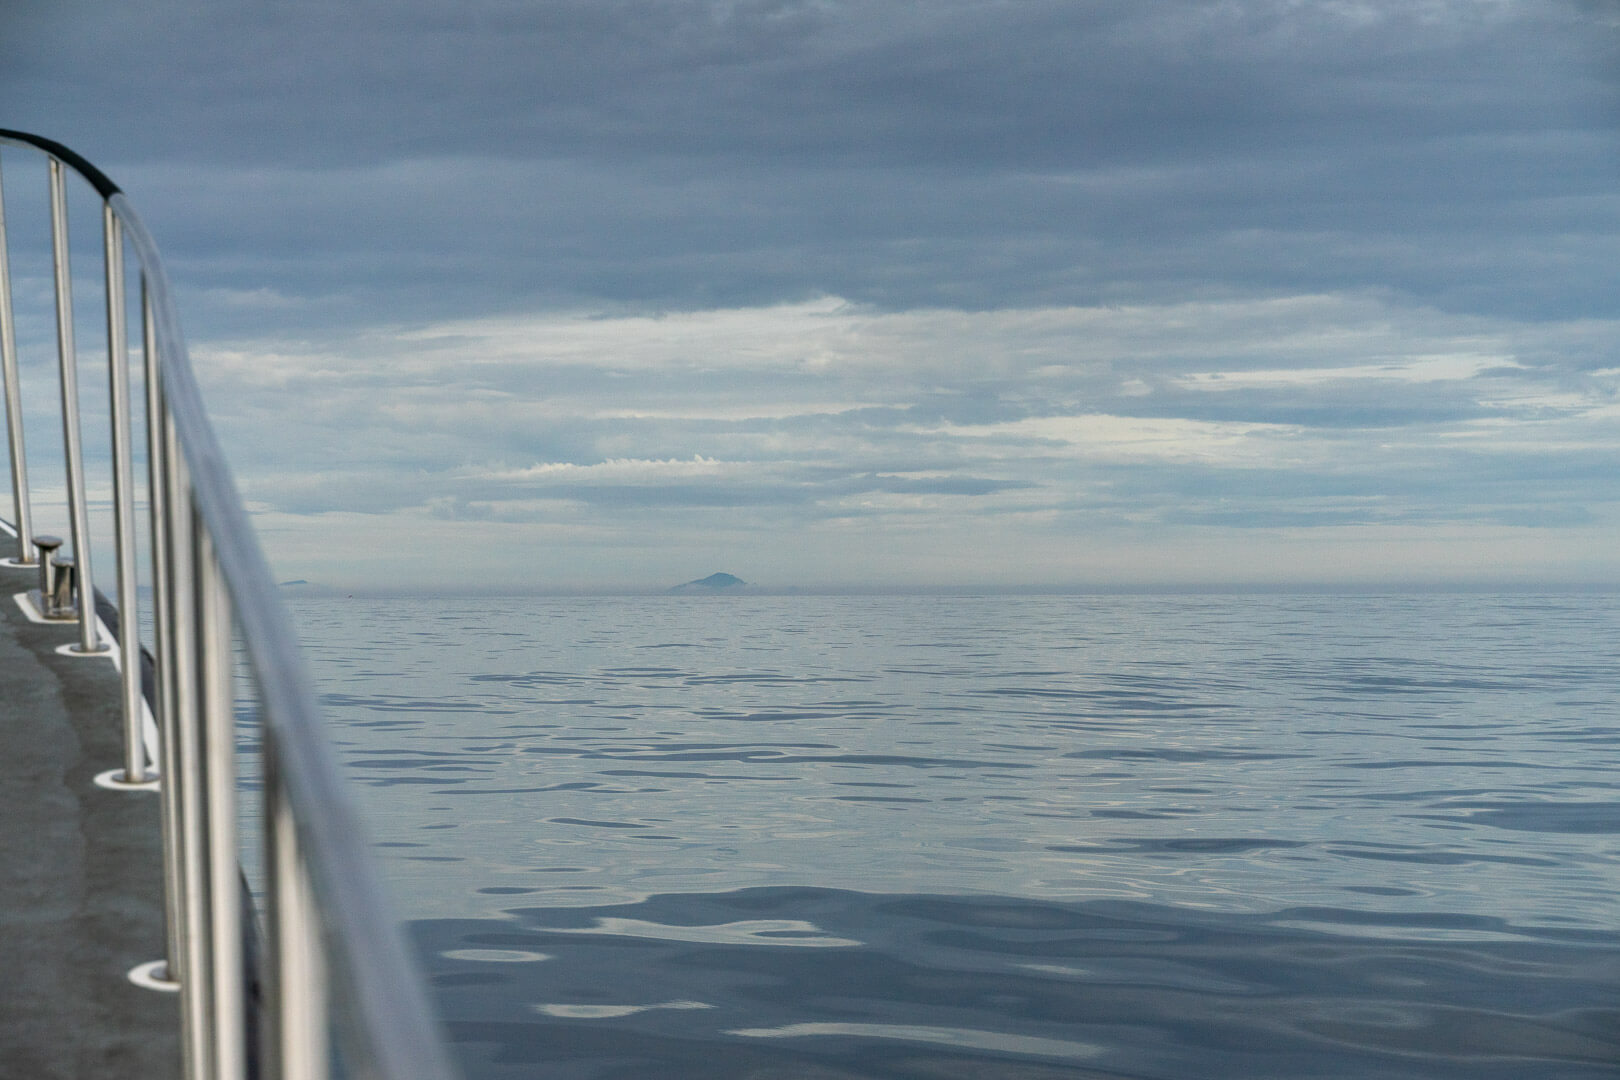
999	986
790	932
610	1012
998	836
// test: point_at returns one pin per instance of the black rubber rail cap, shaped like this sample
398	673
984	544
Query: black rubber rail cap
98	179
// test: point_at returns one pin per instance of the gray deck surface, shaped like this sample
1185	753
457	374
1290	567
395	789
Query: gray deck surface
80	870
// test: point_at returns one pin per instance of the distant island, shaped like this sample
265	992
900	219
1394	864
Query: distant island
712	583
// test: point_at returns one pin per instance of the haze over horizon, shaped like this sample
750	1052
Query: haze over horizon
605	295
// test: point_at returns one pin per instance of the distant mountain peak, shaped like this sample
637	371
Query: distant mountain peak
711	583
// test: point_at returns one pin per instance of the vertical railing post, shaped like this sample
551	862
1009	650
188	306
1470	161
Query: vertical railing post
196	978
298	1041
123	476
214	634
77	517
157	477
13	391
197	528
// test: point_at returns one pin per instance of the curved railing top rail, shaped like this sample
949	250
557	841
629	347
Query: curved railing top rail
98	179
384	1000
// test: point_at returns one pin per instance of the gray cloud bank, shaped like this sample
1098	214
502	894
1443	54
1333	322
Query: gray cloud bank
369	160
981	292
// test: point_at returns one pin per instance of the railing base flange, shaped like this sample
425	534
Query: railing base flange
113	780
77	650
154	975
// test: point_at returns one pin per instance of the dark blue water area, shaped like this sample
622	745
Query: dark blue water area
1130	836
822	983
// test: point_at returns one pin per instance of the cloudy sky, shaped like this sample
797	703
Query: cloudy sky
594	294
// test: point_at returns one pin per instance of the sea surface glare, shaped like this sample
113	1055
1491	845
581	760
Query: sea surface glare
1021	837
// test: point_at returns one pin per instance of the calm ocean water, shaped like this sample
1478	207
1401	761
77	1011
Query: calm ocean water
993	836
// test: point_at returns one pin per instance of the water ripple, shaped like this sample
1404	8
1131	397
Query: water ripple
1031	837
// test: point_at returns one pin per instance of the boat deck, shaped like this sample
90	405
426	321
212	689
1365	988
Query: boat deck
81	869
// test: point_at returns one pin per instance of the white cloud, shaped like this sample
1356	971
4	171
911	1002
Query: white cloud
614	470
1405	369
1102	437
997	443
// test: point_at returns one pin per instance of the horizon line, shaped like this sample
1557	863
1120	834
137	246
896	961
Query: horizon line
1320	588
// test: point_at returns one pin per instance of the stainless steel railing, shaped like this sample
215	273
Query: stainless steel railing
333	960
